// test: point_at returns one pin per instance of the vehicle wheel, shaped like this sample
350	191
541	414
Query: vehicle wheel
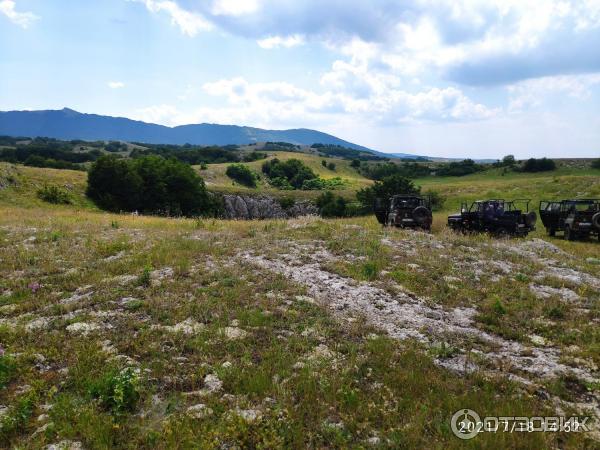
501	232
569	234
596	220
551	232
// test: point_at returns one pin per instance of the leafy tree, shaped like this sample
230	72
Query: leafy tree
331	205
459	169
408	169
331	166
113	184
254	156
385	189
242	174
150	184
509	161
596	164
355	163
437	200
294	171
538	165
324	163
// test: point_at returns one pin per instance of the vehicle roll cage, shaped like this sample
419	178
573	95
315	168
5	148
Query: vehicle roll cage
507	205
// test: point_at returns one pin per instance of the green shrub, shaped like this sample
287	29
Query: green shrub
596	164
459	168
254	156
331	166
242	174
538	165
18	415
281	183
437	200
8	368
286	202
384	189
117	391
144	278
321	184
294	171
54	194
331	205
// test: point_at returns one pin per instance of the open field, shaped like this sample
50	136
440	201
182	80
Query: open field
140	332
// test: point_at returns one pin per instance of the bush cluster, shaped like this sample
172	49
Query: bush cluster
242	174
538	165
150	184
331	205
290	174
384	189
54	194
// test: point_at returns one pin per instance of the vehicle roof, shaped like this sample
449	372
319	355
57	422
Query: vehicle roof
406	196
582	200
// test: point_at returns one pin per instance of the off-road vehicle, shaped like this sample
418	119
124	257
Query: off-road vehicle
405	211
576	218
498	217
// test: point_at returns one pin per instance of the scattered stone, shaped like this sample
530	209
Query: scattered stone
538	340
8	309
122	280
249	415
188	326
41	323
543	292
161	274
80	294
83	328
212	383
199	411
115	257
234	333
65	445
374	440
226	365
451	279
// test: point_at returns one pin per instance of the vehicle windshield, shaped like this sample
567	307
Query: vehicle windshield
583	206
406	202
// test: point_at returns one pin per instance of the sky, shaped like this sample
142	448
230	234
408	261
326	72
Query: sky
447	78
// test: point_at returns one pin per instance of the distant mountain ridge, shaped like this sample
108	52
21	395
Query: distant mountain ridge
68	124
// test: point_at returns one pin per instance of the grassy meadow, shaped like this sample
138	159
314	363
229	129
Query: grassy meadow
121	331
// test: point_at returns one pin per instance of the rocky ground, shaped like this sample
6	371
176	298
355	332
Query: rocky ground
132	332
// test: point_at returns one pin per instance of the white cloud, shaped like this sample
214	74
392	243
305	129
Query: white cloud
380	103
162	114
279	41
190	23
533	93
116	84
234	7
22	19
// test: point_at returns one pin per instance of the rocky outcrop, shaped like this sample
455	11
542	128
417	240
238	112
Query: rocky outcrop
263	207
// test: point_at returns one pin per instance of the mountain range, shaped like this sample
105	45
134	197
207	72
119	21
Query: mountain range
67	124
